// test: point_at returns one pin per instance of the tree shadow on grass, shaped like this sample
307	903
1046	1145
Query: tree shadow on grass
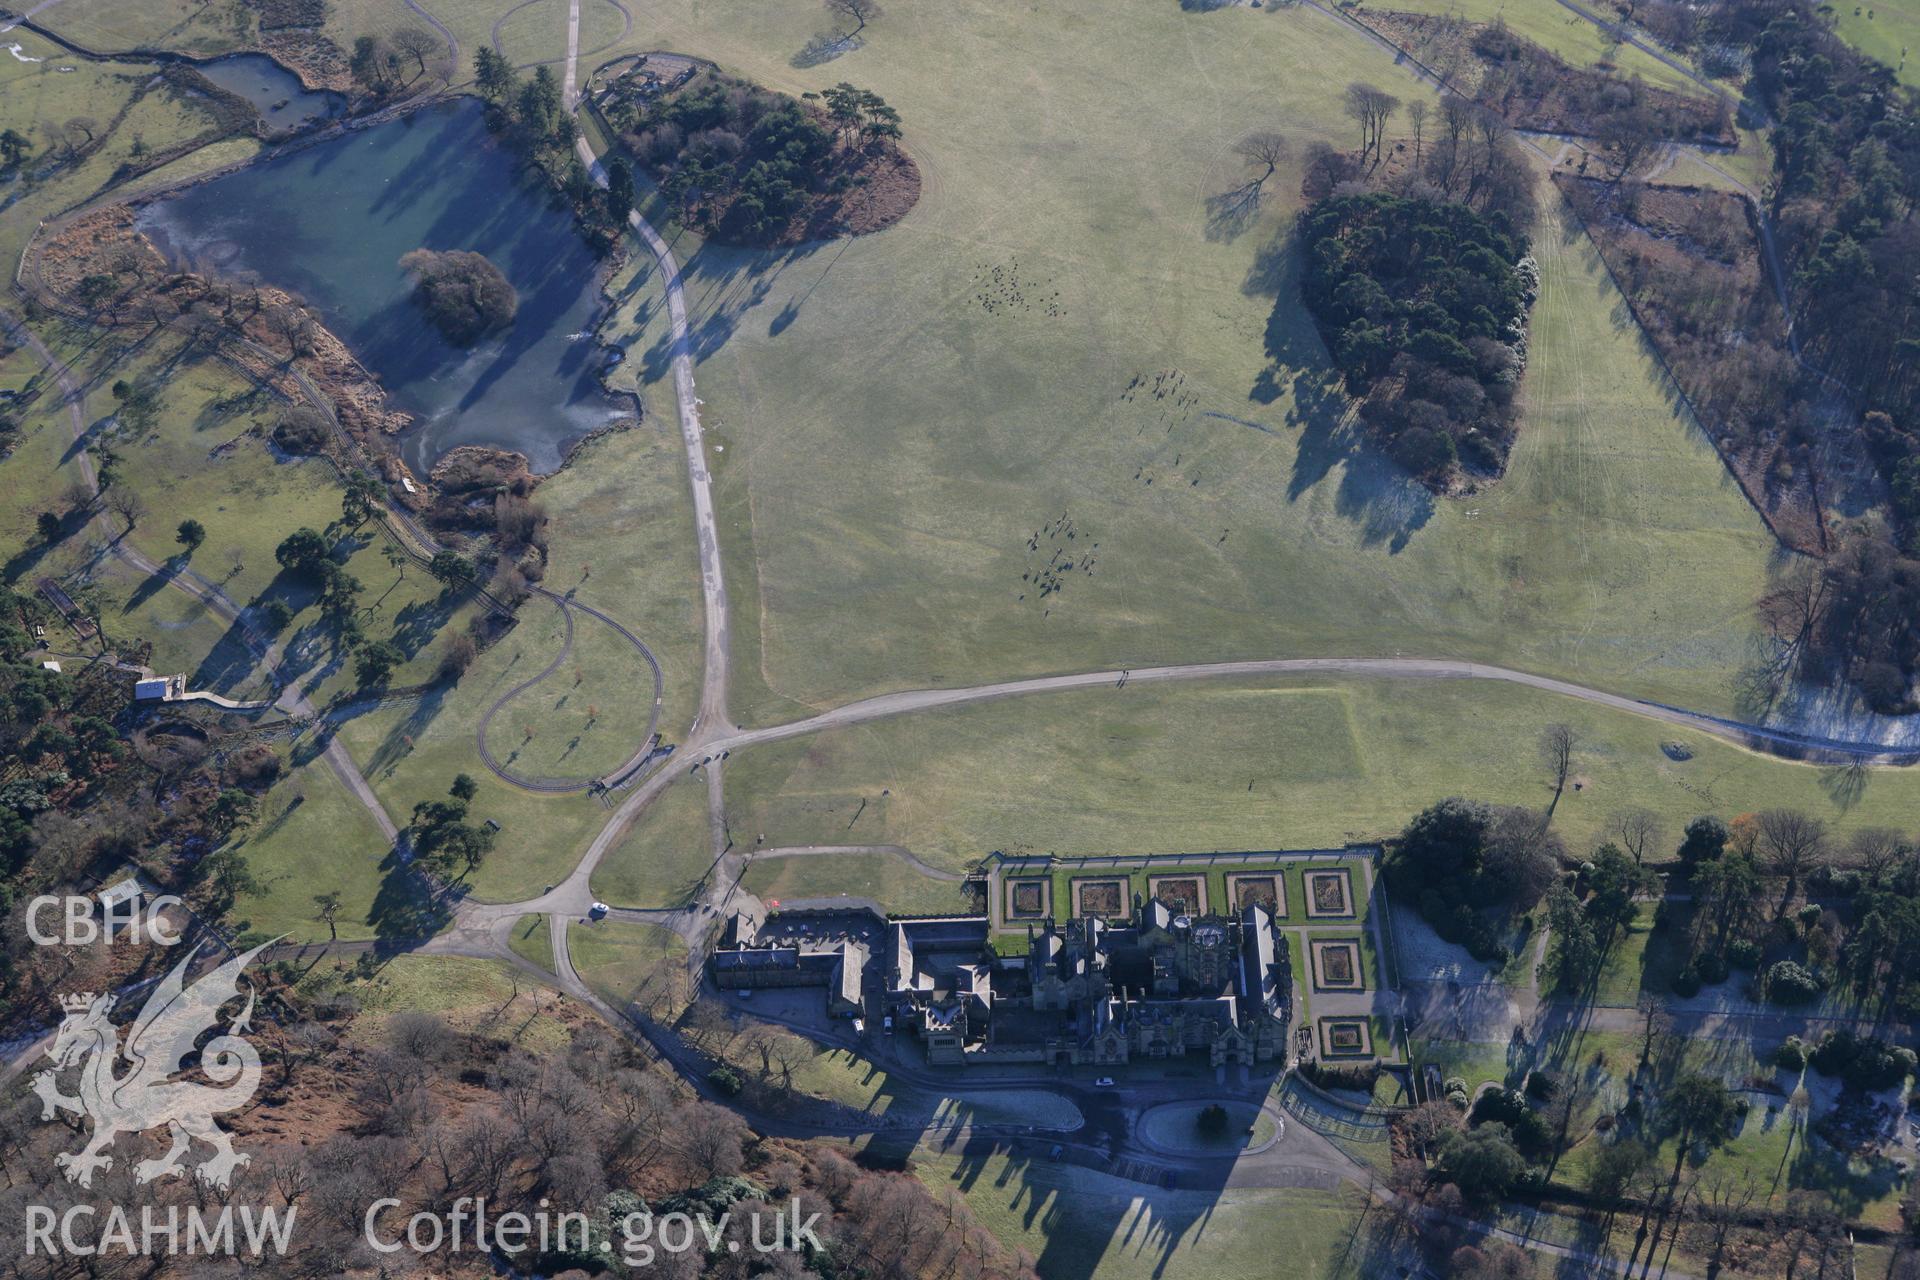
1846	783
824	48
398	739
1375	493
721	284
418	622
408	906
1230	213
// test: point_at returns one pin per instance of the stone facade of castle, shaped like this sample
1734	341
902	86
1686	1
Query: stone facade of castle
1092	992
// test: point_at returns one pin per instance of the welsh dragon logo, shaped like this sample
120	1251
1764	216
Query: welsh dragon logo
143	1097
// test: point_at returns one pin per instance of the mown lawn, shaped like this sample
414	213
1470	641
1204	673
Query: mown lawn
1883	29
621	539
532	939
664	854
1302	763
615	958
410	752
883	877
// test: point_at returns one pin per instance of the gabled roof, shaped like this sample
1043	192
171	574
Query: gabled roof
1259	977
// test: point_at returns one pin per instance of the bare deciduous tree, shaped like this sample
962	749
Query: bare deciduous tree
488	1148
1797	605
1522	854
1876	850
1629	137
1639	832
710	1139
1370	107
790	1053
858	12
1656	1024
1456	125
126	504
416	44
1557	745
1792	843
1263	152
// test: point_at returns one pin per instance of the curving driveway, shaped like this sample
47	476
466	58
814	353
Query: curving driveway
567	606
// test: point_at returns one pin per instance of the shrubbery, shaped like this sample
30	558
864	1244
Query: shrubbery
301	430
1791	1055
1482	1161
1359	1076
1509	1107
1790	983
1862	1062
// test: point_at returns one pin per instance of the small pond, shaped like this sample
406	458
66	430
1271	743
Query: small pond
330	221
275	92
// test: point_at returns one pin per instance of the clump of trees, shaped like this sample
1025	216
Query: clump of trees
1471	869
750	164
530	117
1855	614
1423	303
385	66
1745	911
1585	917
463	294
442	835
529	114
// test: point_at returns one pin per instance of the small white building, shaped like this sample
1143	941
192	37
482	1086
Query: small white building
127	886
158	688
50	665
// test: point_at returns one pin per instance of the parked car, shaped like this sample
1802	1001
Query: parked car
598	909
1057	1152
1104	1082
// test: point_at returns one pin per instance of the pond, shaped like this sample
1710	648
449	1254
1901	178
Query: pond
275	92
329	222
